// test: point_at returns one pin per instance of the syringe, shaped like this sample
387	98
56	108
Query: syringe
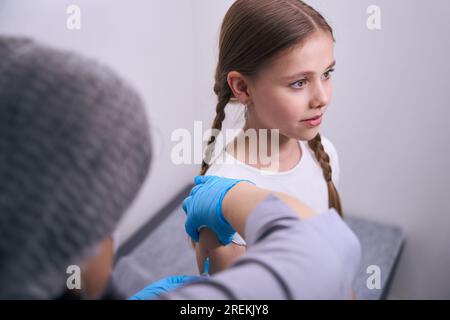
206	267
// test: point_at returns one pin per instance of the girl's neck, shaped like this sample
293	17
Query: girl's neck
289	152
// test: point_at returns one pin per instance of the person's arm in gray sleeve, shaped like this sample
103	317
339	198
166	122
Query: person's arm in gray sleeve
287	258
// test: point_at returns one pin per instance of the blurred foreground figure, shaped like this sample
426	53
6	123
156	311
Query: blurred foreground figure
74	151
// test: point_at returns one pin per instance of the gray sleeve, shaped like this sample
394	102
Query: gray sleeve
287	258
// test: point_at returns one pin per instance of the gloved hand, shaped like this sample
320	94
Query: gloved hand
203	207
165	285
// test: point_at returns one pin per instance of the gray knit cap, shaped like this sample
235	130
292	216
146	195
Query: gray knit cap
74	151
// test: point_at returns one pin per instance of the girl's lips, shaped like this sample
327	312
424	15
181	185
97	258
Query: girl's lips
314	121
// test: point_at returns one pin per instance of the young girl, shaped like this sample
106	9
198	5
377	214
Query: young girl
276	57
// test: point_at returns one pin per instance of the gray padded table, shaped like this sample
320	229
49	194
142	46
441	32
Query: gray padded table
161	248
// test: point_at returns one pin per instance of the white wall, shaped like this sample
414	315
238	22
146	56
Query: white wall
389	117
391	125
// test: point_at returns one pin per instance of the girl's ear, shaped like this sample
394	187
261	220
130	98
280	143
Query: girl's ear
239	86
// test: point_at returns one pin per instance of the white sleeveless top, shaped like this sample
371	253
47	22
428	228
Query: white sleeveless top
305	181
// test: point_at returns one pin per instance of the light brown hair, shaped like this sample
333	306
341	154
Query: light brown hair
253	33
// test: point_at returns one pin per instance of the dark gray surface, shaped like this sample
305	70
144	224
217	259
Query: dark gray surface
165	250
381	246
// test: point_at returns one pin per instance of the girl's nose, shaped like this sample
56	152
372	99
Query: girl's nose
319	96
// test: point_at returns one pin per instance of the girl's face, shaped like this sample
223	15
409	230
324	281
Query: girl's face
294	87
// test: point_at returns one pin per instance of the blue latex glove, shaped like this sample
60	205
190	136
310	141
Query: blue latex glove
203	207
154	290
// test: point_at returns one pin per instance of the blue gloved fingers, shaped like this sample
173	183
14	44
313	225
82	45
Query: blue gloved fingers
190	225
198	179
148	293
187	204
195	189
184	279
165	285
203	179
192	230
180	279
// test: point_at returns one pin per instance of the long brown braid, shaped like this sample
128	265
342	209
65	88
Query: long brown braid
324	160
224	94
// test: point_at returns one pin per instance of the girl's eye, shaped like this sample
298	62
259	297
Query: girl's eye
301	82
328	74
